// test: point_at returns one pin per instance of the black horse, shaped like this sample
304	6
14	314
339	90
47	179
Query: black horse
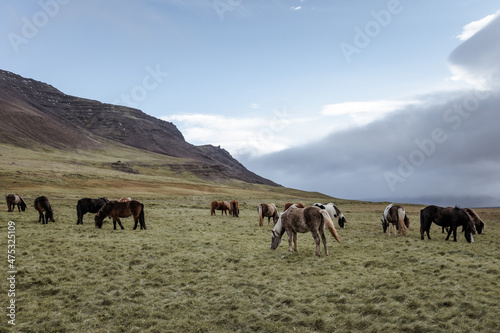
449	217
42	204
87	205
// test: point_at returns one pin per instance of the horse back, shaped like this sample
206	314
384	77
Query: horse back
126	209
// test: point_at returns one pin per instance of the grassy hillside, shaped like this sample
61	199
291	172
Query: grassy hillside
192	272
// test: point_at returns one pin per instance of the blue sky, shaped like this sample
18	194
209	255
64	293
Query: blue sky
256	77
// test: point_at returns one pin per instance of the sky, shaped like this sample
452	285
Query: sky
393	100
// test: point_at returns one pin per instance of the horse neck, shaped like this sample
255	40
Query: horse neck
278	228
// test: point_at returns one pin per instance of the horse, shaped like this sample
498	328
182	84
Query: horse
395	215
267	210
116	209
235	208
451	217
42	204
289	204
478	223
125	199
15	199
87	205
220	205
334	213
302	220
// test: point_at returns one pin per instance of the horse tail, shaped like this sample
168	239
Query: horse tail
142	221
259	209
401	221
329	224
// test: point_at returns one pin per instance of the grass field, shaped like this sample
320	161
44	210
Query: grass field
192	272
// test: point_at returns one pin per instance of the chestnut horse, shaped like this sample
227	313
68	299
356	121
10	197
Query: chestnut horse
289	204
334	213
13	200
87	205
220	205
235	208
42	204
267	210
395	215
450	217
302	220
116	209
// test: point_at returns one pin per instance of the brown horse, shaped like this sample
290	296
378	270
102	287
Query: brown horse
478	223
116	209
449	217
235	208
302	220
267	210
289	204
13	200
222	206
42	204
395	215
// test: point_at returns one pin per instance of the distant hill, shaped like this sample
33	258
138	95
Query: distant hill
35	114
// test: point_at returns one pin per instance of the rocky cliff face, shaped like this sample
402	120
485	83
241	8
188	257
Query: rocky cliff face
33	113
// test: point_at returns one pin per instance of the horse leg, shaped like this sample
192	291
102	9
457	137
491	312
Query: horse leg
449	233
136	222
120	223
323	238
295	248
290	236
317	241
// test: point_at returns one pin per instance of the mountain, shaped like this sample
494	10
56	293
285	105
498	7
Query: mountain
36	114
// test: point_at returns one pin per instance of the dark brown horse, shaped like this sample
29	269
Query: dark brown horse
395	215
267	210
289	204
295	220
116	210
42	204
235	207
13	200
87	205
449	217
220	205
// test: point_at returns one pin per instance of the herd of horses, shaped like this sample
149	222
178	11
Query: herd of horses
295	217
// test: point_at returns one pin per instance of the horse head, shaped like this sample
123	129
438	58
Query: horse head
385	225
463	219
277	234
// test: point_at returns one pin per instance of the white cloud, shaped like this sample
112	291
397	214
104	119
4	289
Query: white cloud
470	29
362	113
296	8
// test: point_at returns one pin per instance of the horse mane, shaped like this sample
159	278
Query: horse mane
278	228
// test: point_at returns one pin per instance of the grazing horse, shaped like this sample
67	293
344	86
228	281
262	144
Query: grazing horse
116	209
267	210
395	215
220	205
15	199
334	213
302	220
235	208
288	205
450	217
87	205
42	204
478	223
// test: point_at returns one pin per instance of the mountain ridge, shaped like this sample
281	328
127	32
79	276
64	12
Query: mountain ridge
34	113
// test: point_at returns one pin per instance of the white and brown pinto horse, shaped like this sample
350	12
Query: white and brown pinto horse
267	210
295	220
334	213
15	200
395	215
